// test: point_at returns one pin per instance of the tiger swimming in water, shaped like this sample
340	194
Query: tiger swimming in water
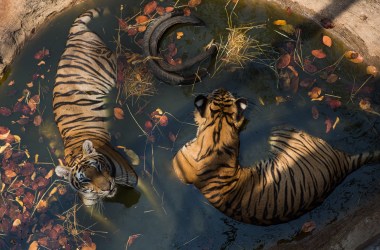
300	173
85	76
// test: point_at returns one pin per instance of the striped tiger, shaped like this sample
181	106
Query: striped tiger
300	173
85	76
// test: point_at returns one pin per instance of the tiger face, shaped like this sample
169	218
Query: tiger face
219	107
91	174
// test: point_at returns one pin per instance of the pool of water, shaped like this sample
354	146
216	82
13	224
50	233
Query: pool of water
163	212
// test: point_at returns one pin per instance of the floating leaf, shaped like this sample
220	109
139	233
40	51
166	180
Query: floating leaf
37	120
141	19
4	132
41	63
283	61
280	99
49	174
169	9
141	28
10	173
333	103
5	111
326	40
327	23
132	238
315	112
150	7
308	227
172	137
118	113
372	70
307	83
23	121
295	73
310	68
279	22
186	11
16	223
365	104
4	147
315	92
29	84
318	53
160	10
328	124
353	56
11	83
53	191
148	126
332	78
164	120
194	3
179	34
41	54
336	122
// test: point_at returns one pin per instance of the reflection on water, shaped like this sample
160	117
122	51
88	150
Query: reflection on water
166	213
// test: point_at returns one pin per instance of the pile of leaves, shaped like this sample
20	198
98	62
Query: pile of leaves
32	213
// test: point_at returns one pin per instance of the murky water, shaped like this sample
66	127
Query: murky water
166	213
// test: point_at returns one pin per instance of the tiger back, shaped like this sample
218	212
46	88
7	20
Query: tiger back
300	173
86	74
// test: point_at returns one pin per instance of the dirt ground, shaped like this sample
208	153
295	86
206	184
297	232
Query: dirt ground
357	24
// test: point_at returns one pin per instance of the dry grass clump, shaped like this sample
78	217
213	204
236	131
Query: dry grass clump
238	49
138	82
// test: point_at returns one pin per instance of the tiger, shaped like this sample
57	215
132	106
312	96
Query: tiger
300	172
86	74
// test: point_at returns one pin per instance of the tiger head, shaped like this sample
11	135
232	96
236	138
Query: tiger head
219	117
91	174
222	107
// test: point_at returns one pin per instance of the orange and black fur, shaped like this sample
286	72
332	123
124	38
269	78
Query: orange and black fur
300	173
85	77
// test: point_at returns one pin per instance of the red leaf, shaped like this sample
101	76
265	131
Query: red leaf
150	7
310	68
148	126
315	112
164	120
283	61
122	24
333	103
328	124
5	111
172	137
194	3
132	238
169	9
4	132
141	19
160	10
118	113
186	11
23	121
318	53
41	54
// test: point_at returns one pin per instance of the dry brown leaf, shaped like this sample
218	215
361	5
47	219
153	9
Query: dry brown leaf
179	34
283	61
10	173
53	191
29	84
16	223
194	3
327	41
118	113
294	71
37	120
365	104
92	246
315	92
49	174
280	99
4	132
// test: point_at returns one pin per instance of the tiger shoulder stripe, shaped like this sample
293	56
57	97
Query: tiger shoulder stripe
301	172
86	74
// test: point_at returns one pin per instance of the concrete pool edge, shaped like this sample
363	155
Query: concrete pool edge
20	20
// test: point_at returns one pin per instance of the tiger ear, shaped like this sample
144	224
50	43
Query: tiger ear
200	103
242	104
63	171
88	147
